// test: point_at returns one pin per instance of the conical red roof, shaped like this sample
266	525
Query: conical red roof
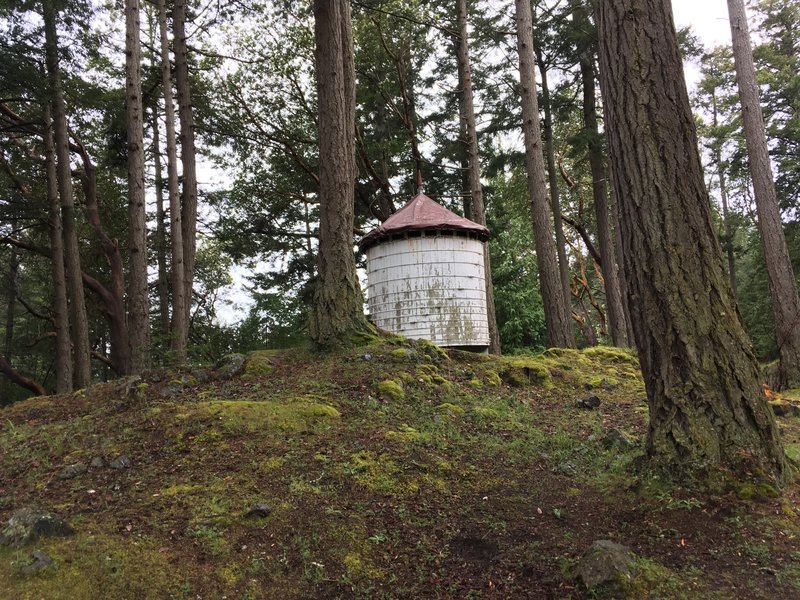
422	214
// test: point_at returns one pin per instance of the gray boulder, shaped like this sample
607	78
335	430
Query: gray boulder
231	366
606	568
615	437
39	561
29	524
589	403
72	471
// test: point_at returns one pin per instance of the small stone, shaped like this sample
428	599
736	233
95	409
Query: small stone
589	403
97	462
566	468
607	567
616	438
29	524
258	511
367	357
40	561
121	462
72	471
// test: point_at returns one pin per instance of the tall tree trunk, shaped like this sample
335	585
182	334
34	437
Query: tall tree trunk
474	166
60	308
557	321
162	284
782	282
82	372
723	192
180	316
552	179
337	312
138	298
188	152
703	383
619	253
614	305
11	305
114	299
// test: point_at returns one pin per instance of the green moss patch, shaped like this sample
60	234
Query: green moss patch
242	416
259	364
391	389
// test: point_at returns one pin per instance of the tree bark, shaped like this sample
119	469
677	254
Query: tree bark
782	282
614	305
114	302
138	298
16	377
723	192
11	305
79	323
552	179
557	321
706	403
188	151
180	315
60	310
337	312
162	284
477	208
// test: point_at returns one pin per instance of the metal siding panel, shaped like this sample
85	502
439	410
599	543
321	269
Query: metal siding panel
429	287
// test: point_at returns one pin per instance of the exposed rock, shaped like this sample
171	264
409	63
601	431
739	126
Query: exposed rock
258	511
40	561
784	408
616	438
566	468
231	366
72	471
97	462
121	462
606	568
589	403
29	524
201	376
128	387
171	390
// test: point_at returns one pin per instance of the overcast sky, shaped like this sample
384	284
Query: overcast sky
708	18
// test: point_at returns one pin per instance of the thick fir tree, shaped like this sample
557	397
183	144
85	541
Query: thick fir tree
337	312
706	403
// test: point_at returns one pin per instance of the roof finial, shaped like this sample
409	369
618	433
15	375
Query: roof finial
419	181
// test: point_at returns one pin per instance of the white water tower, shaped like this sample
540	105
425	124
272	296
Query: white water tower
426	277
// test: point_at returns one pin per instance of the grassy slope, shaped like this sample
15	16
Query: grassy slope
392	471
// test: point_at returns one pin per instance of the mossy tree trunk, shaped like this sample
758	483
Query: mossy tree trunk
60	309
138	297
475	193
615	306
179	326
552	181
188	201
782	283
558	323
706	403
79	323
337	313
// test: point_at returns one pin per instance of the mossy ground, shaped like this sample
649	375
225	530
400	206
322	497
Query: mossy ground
482	479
